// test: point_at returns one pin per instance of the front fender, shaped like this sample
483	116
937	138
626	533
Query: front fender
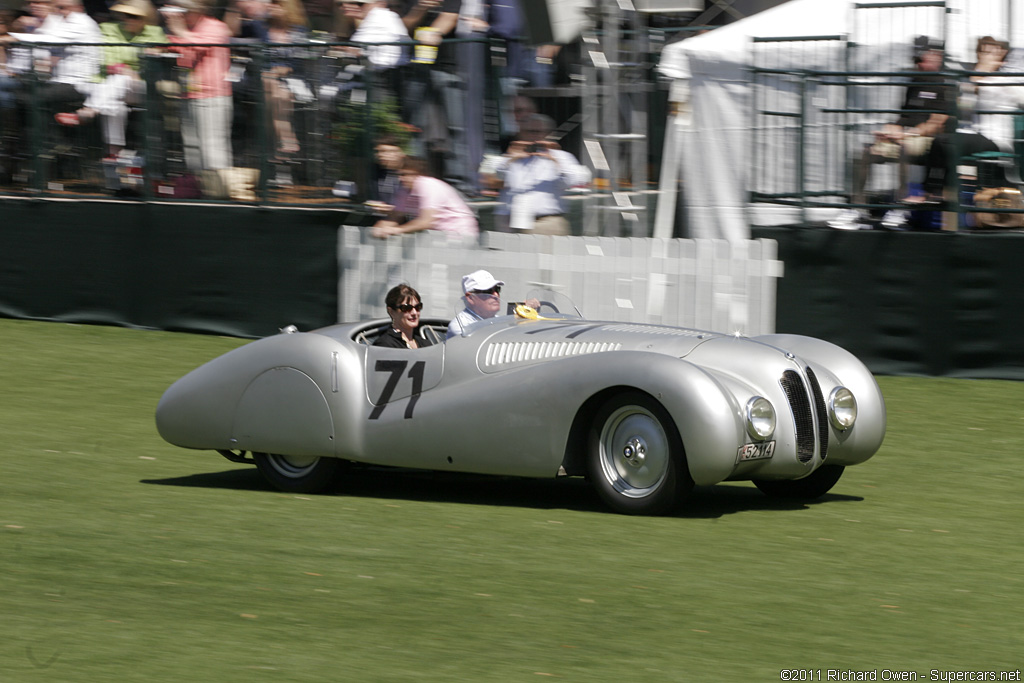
835	365
705	412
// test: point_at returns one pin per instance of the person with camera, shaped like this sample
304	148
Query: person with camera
533	175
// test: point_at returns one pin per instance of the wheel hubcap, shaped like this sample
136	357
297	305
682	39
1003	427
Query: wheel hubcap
291	465
635	451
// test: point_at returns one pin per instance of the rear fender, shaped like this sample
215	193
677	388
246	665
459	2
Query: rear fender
279	394
284	411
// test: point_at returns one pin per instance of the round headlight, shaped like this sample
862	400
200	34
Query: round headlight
760	418
842	408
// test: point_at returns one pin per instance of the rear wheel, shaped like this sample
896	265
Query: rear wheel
816	484
635	456
298	474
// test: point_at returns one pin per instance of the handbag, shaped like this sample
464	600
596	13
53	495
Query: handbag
999	198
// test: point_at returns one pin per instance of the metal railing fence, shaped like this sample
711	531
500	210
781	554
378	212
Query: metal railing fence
818	102
811	128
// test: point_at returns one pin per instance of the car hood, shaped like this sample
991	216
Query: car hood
526	342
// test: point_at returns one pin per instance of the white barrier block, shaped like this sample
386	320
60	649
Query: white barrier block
706	284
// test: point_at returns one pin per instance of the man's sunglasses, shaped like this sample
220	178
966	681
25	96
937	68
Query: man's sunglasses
405	308
493	291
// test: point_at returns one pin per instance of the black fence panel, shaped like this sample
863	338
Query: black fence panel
936	304
234	270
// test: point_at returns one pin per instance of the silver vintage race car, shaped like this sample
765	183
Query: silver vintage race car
644	411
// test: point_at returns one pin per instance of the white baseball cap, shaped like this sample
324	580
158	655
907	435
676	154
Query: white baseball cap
479	281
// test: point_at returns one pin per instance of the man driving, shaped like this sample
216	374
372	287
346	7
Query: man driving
482	294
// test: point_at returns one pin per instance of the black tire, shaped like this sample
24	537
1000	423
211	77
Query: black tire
635	457
298	474
815	485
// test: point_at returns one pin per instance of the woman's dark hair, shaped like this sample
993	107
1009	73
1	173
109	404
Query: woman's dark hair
389	139
989	40
415	164
400	293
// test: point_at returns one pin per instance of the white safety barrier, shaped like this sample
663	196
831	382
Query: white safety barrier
703	284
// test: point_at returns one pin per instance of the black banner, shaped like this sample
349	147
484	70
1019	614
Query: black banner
234	270
938	304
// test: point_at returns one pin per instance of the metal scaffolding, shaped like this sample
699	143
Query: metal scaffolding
615	92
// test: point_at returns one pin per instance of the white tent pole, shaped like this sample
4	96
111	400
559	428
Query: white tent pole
671	159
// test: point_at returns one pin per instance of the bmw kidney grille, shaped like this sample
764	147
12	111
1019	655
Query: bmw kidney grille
819	408
799	403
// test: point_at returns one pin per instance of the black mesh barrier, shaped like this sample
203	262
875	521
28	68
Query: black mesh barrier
240	271
938	304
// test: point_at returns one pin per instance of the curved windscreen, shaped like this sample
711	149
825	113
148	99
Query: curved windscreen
553	304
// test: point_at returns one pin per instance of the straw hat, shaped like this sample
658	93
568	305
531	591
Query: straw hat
1000	198
137	8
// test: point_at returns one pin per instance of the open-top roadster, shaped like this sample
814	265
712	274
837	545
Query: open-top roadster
644	411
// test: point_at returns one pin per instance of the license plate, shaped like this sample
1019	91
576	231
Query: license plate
755	451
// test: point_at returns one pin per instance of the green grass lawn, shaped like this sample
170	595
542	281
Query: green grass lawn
123	558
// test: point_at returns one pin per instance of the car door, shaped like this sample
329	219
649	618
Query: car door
395	378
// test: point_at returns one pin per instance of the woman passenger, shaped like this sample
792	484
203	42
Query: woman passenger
404	306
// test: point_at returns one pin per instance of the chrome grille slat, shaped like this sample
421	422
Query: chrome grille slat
819	409
796	392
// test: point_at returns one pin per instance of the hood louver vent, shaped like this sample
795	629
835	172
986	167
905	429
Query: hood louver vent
652	329
507	353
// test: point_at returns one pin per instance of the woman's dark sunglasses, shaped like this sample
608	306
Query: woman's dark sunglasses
405	308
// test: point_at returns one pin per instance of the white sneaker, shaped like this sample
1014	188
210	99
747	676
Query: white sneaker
848	219
895	219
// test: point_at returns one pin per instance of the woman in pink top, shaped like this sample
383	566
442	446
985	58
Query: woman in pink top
206	124
434	204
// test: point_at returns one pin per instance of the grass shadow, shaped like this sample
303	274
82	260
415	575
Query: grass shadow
567	493
247	478
710	502
423	485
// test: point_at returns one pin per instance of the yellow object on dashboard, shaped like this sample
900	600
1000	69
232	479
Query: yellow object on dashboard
524	311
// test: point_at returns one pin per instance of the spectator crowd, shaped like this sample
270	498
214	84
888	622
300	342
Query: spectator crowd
211	66
230	78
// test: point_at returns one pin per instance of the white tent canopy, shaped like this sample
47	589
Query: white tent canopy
708	141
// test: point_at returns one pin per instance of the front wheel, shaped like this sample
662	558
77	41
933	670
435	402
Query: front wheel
296	474
635	456
814	485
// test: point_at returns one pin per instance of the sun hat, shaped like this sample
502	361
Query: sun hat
479	281
138	8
